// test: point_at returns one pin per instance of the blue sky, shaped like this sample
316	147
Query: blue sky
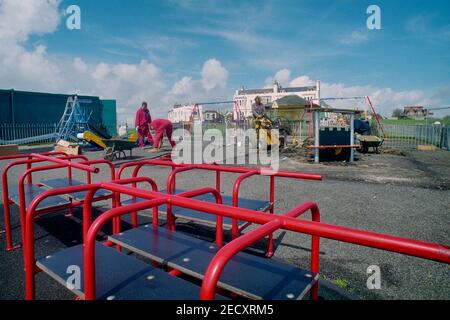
309	37
407	61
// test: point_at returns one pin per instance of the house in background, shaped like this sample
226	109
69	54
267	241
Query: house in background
185	113
182	113
416	112
212	116
245	98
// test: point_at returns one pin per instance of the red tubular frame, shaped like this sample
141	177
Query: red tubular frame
170	188
270	224
63	162
87	208
89	250
315	240
5	186
246	173
237	184
67	163
215	167
24	156
29	251
218	263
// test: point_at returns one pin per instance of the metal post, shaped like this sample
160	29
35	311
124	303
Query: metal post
316	136
352	137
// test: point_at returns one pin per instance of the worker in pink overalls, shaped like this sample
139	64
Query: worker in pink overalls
162	126
143	121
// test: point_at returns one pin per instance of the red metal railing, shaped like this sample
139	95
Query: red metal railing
245	172
69	164
27	156
5	186
62	162
32	213
270	223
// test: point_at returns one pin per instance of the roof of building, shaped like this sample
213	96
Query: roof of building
292	101
300	89
413	108
281	90
211	111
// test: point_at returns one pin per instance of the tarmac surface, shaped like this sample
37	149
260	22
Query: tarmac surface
403	194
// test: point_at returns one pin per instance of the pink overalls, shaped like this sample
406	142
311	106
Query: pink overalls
162	126
143	119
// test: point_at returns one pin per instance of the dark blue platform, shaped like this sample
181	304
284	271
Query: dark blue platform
64	182
247	275
31	192
118	276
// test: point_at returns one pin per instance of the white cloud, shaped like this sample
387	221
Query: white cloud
355	37
101	71
20	19
384	99
129	84
283	77
302	81
211	86
79	65
214	75
184	87
35	69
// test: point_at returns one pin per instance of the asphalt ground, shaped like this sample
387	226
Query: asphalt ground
384	198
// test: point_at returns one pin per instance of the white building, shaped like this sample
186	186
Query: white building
182	113
244	98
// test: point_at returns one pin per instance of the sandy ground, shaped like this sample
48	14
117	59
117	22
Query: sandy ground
399	194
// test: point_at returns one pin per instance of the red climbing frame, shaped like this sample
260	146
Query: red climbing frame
245	173
270	223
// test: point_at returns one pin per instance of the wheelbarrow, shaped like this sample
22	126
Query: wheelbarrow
367	142
115	149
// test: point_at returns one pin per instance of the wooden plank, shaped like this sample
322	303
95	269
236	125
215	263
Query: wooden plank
426	147
9	149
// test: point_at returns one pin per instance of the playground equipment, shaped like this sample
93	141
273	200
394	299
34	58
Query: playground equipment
25	190
332	139
237	227
329	140
75	120
196	118
92	138
368	109
75	124
110	274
